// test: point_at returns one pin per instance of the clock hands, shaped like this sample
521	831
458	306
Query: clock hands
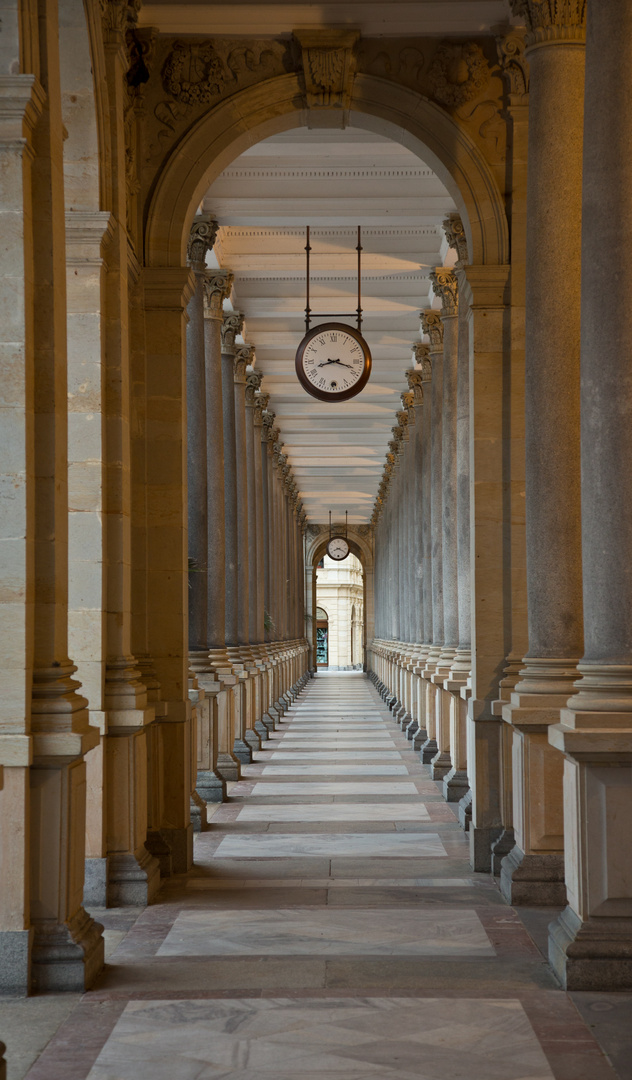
325	362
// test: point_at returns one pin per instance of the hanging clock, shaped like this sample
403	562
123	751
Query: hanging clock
338	548
333	362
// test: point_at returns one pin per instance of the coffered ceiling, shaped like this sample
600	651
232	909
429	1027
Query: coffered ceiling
332	181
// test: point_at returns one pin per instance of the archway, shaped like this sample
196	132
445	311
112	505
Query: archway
360	545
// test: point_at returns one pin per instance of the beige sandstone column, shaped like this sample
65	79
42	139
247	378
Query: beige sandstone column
414	378
422	357
167	291
590	945
533	872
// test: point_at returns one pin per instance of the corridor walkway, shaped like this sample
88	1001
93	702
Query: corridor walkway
332	929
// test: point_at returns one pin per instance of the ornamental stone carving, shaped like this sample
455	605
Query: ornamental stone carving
194	73
458	73
328	66
421	354
232	325
514	64
455	237
432	325
445	285
217	285
201	239
552	20
415	380
118	15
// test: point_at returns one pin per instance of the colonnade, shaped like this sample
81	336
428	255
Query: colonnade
557	763
246	523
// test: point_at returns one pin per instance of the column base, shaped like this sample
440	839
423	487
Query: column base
261	730
228	767
243	751
465	811
199	819
501	847
440	765
595	954
210	786
252	739
533	880
180	842
67	956
15	962
132	881
428	750
268	722
95	883
419	738
481	840
455	785
158	847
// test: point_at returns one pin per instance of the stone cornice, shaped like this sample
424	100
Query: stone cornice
551	21
445	285
232	325
432	325
217	285
201	239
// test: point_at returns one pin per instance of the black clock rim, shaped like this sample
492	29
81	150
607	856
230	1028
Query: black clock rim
346	542
326	395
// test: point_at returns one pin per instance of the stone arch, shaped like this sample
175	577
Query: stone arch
277	105
360	545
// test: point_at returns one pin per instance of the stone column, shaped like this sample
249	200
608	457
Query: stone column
255	544
590	944
167	291
414	378
201	240
432	325
424	465
533	872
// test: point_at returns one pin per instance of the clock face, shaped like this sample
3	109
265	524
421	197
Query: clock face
333	362
338	548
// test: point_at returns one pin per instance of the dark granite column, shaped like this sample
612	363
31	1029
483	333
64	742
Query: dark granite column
533	872
590	944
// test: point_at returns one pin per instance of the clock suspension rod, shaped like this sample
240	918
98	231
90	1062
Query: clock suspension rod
330	524
308	248
346	524
359	250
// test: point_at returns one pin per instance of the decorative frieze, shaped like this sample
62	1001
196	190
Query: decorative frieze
445	285
217	285
552	20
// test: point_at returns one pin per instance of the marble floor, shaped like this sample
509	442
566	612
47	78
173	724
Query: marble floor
331	929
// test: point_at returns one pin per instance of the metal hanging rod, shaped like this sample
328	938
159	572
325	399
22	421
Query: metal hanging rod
357	314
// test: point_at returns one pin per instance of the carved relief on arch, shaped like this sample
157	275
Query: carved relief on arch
328	66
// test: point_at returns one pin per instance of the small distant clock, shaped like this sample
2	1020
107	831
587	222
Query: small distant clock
333	362
338	548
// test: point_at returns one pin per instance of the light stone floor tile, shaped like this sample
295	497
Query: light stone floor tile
381	787
291	741
332	845
323	1039
335	770
301	931
414	811
333	736
202	884
333	756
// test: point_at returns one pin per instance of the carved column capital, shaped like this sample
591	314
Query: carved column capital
415	380
253	382
446	286
201	239
432	325
242	360
421	353
455	237
216	285
514	65
551	21
232	325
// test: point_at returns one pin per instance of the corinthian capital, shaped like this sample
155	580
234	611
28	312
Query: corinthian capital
414	378
514	64
446	286
201	239
432	326
552	20
232	324
243	358
253	382
421	354
217	285
455	237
